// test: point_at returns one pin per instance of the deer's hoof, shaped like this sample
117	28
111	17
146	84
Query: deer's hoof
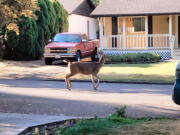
68	88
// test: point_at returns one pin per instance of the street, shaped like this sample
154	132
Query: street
51	98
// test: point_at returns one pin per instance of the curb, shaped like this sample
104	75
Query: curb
29	129
62	80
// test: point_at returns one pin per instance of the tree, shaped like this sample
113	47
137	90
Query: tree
96	2
34	32
11	10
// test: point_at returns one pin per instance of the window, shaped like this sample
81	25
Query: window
139	24
84	38
66	38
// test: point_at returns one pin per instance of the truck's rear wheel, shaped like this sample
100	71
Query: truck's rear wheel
94	56
48	61
78	56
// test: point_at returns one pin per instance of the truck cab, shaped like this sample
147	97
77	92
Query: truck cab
72	46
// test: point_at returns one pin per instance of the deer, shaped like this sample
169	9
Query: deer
86	68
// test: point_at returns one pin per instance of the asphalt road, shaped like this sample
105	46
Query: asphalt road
51	98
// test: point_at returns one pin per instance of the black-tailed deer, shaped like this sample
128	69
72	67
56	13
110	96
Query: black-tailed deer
87	68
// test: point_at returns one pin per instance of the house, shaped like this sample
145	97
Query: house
135	26
79	17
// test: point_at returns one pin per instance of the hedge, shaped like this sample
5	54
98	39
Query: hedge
134	57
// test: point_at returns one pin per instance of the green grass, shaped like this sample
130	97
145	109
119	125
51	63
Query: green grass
161	72
100	126
116	124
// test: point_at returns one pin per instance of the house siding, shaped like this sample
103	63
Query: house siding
161	24
78	23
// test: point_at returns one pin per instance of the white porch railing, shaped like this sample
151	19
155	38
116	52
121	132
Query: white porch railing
152	41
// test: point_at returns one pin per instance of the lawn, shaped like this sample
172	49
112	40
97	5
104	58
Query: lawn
162	72
124	126
116	124
119	124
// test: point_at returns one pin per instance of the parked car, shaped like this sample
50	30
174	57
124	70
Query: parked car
176	89
72	46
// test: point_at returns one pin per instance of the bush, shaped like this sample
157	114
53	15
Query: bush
135	57
23	46
34	34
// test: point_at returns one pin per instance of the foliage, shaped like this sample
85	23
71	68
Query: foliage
23	45
10	10
101	125
96	2
35	33
135	57
120	112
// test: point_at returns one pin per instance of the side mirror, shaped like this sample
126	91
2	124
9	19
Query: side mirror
84	40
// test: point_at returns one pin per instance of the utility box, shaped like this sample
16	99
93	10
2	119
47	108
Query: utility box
176	89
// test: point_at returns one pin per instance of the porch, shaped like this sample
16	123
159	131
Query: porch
140	34
138	42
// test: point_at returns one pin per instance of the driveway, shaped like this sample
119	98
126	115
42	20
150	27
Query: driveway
30	70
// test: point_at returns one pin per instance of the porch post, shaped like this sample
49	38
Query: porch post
176	31
170	26
124	33
100	34
146	31
170	35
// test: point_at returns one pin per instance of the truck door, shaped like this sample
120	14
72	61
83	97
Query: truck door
88	46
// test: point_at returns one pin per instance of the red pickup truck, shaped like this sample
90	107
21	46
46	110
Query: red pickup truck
72	46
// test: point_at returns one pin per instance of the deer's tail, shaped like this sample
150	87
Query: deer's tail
67	61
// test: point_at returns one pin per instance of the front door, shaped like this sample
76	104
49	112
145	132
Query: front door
114	31
150	31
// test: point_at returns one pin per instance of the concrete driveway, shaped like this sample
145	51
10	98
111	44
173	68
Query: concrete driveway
30	70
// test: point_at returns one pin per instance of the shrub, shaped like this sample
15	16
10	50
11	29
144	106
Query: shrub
135	57
34	34
24	45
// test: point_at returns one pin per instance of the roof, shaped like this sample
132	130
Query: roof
79	7
136	7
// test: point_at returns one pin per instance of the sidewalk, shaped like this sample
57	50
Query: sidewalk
13	124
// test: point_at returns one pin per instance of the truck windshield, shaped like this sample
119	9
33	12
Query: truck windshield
66	38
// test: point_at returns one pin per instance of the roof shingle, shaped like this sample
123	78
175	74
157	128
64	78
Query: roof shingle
80	7
136	7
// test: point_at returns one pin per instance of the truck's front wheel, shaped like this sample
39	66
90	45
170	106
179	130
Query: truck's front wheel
78	56
48	61
94	56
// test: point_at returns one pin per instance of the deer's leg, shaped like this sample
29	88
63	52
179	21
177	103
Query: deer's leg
98	80
92	78
68	83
